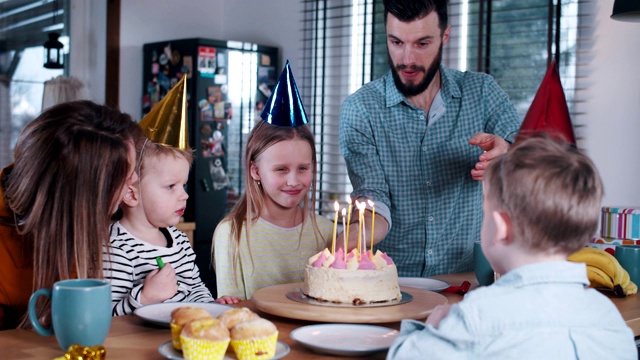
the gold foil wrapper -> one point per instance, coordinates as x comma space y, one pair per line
167, 123
78, 352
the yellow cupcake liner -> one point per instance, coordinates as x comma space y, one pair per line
175, 335
256, 349
200, 349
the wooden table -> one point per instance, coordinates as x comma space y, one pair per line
133, 338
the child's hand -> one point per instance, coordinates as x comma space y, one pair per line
439, 313
159, 285
227, 299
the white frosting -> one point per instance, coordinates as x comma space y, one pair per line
352, 286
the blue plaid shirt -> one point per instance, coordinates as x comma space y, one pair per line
421, 170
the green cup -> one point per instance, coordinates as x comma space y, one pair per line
629, 258
80, 312
481, 267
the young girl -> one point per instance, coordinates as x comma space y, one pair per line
268, 236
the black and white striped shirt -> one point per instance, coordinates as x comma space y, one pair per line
131, 259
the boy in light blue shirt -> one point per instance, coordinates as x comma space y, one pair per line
541, 203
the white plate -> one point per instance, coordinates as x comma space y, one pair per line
423, 283
160, 314
167, 350
345, 339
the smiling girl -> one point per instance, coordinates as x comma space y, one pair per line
271, 232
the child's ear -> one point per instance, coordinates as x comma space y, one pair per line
254, 171
503, 227
131, 198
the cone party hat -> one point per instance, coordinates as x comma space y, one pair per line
166, 123
549, 112
284, 107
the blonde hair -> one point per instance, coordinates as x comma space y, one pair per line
551, 191
150, 149
248, 209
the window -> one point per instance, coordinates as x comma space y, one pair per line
344, 47
24, 25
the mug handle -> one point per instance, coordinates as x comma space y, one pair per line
33, 317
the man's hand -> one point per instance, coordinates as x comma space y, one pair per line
159, 285
493, 146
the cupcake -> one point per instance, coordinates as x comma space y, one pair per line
254, 339
204, 339
235, 316
182, 316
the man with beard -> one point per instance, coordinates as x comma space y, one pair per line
417, 141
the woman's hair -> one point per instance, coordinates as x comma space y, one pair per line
248, 209
70, 166
551, 191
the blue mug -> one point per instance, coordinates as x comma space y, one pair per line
80, 312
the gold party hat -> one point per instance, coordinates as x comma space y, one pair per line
166, 123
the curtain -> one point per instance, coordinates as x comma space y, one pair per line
61, 89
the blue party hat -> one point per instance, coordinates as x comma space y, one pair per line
284, 107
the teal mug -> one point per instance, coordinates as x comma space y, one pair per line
80, 312
481, 266
629, 258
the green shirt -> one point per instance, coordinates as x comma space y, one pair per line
421, 169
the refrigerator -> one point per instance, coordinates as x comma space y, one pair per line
228, 83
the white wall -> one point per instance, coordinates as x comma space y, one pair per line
272, 23
611, 137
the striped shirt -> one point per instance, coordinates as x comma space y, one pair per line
276, 255
131, 259
419, 165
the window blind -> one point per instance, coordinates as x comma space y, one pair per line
344, 47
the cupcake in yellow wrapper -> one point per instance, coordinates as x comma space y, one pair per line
232, 317
204, 339
182, 316
254, 339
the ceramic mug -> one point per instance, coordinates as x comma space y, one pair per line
80, 312
481, 267
629, 258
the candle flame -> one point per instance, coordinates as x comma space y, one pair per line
336, 205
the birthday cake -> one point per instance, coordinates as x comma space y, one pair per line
358, 278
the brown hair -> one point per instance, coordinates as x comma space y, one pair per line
71, 164
551, 191
263, 136
411, 10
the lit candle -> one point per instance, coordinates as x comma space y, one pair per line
361, 206
336, 206
344, 233
373, 221
348, 218
359, 228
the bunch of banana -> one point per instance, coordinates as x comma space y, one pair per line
604, 270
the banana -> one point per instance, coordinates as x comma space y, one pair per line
599, 278
603, 270
631, 288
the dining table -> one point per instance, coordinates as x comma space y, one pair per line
131, 337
